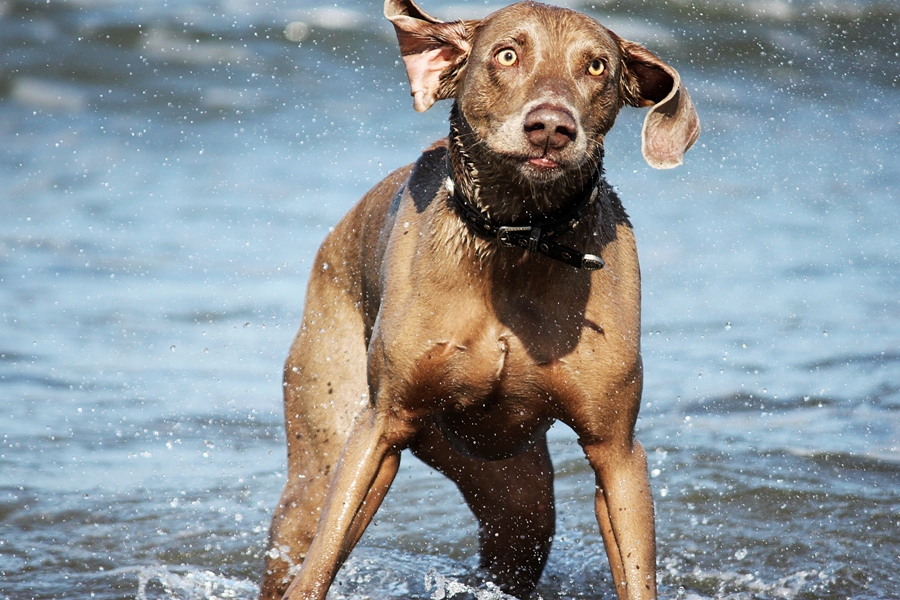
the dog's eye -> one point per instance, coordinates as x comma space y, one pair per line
507, 57
596, 67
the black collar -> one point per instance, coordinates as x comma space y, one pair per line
537, 235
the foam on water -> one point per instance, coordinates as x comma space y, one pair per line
388, 575
368, 573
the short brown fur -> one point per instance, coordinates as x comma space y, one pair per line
418, 333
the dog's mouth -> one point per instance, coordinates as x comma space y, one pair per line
543, 168
543, 162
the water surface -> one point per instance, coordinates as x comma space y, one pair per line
169, 168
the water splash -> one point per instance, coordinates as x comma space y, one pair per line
193, 585
446, 587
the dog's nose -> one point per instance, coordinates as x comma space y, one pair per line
550, 128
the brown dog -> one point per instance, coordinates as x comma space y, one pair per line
459, 309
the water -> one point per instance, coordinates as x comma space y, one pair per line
169, 169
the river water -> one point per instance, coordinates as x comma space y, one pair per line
169, 168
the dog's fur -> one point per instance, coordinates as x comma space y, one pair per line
418, 333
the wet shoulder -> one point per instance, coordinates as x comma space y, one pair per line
428, 175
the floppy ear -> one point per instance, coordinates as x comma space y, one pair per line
672, 125
433, 51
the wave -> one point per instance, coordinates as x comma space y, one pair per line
210, 33
706, 584
75, 57
873, 360
887, 461
741, 402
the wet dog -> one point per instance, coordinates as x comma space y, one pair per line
470, 300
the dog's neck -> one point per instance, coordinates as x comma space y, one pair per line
494, 185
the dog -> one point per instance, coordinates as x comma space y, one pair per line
472, 299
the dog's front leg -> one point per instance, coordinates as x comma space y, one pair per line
363, 475
624, 508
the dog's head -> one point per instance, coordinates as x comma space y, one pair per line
541, 85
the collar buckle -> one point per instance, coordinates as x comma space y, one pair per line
512, 236
591, 262
504, 231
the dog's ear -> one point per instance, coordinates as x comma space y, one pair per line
672, 125
433, 51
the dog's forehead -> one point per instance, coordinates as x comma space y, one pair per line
535, 18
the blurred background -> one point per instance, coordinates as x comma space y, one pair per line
168, 169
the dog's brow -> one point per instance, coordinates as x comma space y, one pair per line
517, 36
592, 51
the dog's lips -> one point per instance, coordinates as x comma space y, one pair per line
538, 166
543, 162
544, 168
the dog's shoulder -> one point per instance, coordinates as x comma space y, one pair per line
428, 174
612, 210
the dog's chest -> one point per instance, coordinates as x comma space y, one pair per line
484, 391
484, 369
475, 344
